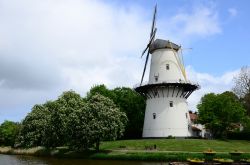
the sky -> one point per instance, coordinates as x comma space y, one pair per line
51, 46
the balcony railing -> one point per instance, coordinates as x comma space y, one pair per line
169, 81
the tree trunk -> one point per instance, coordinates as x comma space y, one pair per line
97, 147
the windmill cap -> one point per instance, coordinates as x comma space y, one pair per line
163, 44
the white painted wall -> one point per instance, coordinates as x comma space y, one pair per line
159, 59
169, 121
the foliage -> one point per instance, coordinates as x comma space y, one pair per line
33, 127
134, 106
47, 124
243, 135
8, 133
102, 90
221, 113
129, 102
79, 130
246, 102
57, 129
82, 122
54, 126
99, 120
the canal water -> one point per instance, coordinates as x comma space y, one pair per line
30, 160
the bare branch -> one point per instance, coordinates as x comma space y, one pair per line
242, 82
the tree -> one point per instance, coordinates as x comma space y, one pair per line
134, 106
77, 122
57, 129
33, 127
129, 102
79, 130
220, 113
98, 120
48, 124
246, 103
242, 87
102, 90
8, 133
53, 135
242, 82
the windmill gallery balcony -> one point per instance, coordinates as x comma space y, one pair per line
180, 89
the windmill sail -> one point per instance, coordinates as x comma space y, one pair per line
151, 39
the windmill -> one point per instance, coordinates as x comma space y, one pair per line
166, 92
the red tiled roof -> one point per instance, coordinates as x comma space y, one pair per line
196, 128
193, 116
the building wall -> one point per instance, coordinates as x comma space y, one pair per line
169, 121
159, 61
162, 120
196, 133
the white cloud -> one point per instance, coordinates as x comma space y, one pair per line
186, 26
209, 83
233, 12
47, 47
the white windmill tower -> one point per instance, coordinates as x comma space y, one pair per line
166, 91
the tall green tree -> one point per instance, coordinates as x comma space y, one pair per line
220, 113
48, 124
57, 129
8, 133
134, 106
79, 138
102, 90
129, 102
54, 129
100, 119
34, 126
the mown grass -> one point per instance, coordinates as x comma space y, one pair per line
160, 156
182, 145
166, 150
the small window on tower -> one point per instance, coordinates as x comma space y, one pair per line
156, 75
171, 104
156, 78
154, 115
167, 66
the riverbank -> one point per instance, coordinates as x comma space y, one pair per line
114, 155
148, 150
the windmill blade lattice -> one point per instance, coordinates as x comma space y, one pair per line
150, 42
152, 36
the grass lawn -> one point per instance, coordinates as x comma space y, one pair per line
167, 150
184, 145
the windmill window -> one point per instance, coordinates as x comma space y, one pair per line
171, 104
156, 78
154, 115
156, 75
167, 66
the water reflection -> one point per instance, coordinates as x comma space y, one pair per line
20, 160
30, 160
